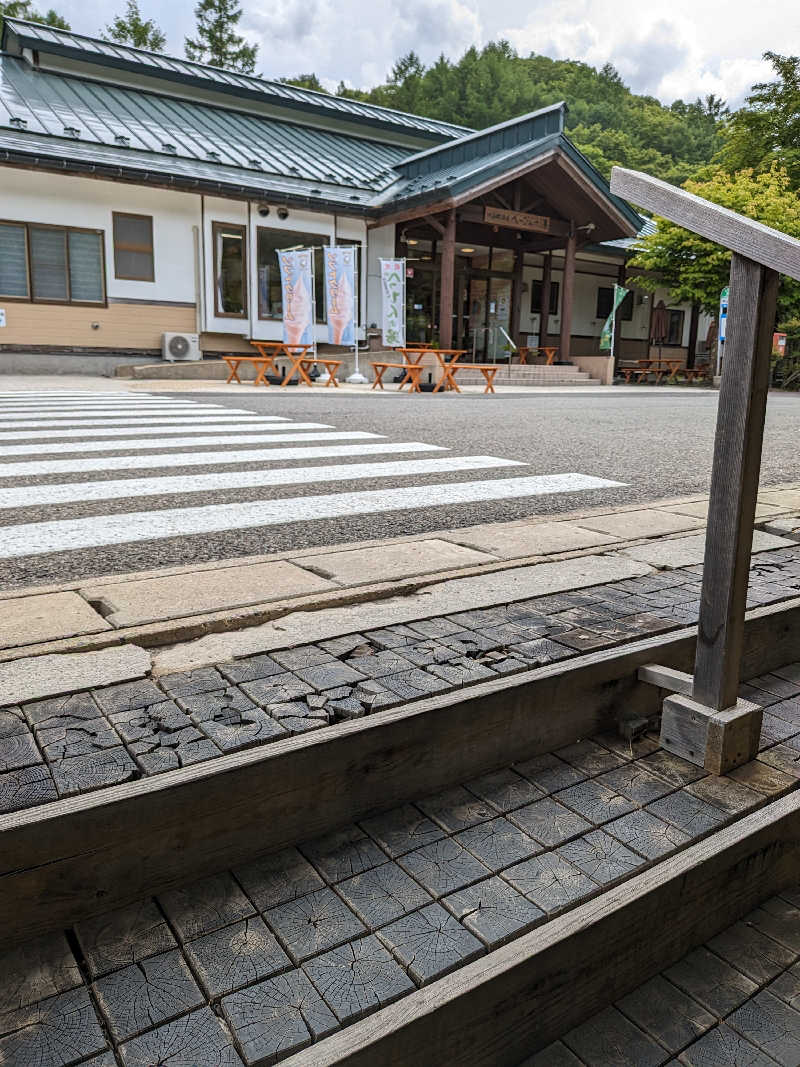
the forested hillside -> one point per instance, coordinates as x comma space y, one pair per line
608, 122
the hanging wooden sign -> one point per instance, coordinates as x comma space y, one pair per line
518, 220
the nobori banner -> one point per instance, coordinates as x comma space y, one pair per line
393, 286
297, 290
340, 293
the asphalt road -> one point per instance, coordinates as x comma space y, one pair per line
657, 442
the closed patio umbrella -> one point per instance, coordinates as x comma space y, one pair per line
659, 327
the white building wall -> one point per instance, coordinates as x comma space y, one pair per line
381, 246
61, 200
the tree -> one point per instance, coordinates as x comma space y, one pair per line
696, 270
305, 81
132, 29
217, 43
767, 129
21, 9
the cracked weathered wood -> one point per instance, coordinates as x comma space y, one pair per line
127, 935
498, 843
402, 830
383, 894
550, 882
312, 924
81, 774
724, 1047
273, 880
199, 1037
146, 994
602, 857
358, 978
456, 809
430, 943
51, 1033
236, 956
751, 952
594, 801
636, 783
667, 1014
213, 819
609, 1037
711, 981
26, 788
204, 906
36, 970
443, 867
343, 853
689, 813
771, 1025
549, 822
279, 1016
493, 911
650, 837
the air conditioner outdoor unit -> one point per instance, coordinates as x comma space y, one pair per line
177, 346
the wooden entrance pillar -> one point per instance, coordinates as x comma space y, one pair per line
567, 294
447, 282
544, 315
705, 721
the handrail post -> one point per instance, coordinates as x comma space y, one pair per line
734, 482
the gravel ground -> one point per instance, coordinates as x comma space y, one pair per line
659, 443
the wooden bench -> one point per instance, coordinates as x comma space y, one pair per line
548, 352
413, 372
332, 367
261, 364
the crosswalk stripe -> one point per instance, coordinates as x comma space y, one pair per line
148, 444
33, 539
70, 413
150, 420
72, 492
244, 430
40, 468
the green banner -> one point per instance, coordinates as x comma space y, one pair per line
608, 328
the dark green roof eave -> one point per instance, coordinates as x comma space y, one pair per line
181, 183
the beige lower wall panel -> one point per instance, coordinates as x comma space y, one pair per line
120, 325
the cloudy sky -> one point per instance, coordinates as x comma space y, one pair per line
671, 49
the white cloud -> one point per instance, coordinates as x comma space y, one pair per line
685, 48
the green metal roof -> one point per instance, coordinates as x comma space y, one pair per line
72, 122
91, 120
18, 34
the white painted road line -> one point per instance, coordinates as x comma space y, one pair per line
39, 468
242, 427
72, 492
154, 417
148, 444
82, 413
38, 538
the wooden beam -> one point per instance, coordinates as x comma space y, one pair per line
447, 283
567, 294
749, 238
544, 315
519, 998
65, 860
516, 285
734, 481
435, 224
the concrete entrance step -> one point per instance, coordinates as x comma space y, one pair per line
565, 374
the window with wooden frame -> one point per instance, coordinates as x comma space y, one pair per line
230, 270
675, 317
51, 264
133, 247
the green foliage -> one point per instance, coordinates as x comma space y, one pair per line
606, 120
767, 129
132, 29
696, 270
306, 81
217, 42
22, 9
